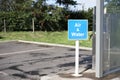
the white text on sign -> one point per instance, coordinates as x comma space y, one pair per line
77, 34
77, 25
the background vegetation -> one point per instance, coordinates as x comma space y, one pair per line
21, 15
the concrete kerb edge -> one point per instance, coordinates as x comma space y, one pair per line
8, 41
57, 45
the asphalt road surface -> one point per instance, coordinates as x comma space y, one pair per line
23, 61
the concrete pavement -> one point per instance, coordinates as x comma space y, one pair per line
39, 61
67, 75
29, 61
86, 75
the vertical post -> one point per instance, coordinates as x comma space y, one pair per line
76, 74
77, 58
33, 26
94, 37
99, 38
4, 26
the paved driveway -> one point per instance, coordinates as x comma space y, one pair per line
23, 61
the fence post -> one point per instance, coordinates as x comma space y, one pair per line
33, 26
4, 26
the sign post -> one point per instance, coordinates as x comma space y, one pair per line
77, 30
77, 58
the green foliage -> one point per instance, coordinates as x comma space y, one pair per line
112, 6
82, 15
18, 15
66, 2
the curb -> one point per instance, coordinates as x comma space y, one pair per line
57, 45
8, 41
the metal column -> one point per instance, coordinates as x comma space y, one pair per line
99, 38
94, 38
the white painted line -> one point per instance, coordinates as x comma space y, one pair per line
3, 54
45, 78
5, 74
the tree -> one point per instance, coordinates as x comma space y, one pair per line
18, 12
112, 6
18, 15
83, 15
66, 2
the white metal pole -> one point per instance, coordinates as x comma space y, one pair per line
77, 58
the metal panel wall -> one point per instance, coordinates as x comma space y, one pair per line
107, 37
111, 39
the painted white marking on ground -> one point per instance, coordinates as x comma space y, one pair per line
5, 74
3, 54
